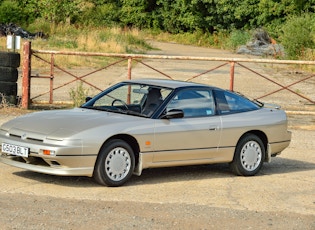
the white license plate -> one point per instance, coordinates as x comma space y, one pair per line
15, 150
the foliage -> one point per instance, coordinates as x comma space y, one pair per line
237, 38
85, 39
78, 94
51, 10
103, 15
212, 20
298, 35
137, 13
10, 12
174, 16
40, 25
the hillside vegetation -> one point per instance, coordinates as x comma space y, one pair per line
216, 23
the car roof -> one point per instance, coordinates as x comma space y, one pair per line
173, 84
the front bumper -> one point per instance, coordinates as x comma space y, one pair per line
57, 170
69, 159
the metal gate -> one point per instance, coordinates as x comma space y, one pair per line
130, 59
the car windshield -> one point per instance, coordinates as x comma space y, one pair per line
134, 99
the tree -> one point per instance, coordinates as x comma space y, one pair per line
137, 13
55, 11
10, 12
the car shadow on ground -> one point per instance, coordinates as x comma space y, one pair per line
175, 174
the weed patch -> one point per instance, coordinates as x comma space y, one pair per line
78, 94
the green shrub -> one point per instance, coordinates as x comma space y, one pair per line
298, 35
237, 38
106, 14
78, 94
39, 25
10, 12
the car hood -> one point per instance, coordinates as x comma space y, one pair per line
63, 123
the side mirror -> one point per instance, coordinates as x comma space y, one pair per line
173, 113
87, 99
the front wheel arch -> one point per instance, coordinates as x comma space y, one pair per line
130, 140
115, 163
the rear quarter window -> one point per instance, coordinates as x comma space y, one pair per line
228, 102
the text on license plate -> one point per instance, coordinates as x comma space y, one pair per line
15, 150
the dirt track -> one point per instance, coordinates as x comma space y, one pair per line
282, 196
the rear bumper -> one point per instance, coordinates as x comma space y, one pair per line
275, 148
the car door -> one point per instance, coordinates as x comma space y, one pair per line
193, 137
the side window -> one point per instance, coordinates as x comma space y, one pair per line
228, 102
194, 103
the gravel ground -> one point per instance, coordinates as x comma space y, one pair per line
281, 196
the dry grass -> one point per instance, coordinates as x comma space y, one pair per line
14, 111
3, 102
8, 109
70, 38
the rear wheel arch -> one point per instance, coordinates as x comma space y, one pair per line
262, 136
250, 153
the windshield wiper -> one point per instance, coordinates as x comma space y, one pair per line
117, 110
100, 108
131, 112
259, 103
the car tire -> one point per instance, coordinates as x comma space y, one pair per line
10, 59
115, 164
8, 74
8, 88
249, 156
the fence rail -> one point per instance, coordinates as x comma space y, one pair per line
27, 67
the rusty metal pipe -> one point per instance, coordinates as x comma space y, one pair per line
27, 52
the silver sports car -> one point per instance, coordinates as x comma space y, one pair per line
147, 123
